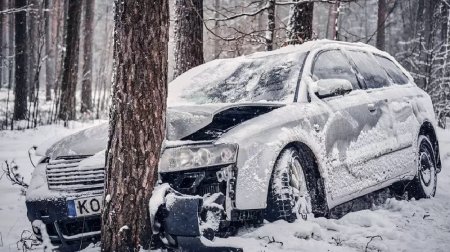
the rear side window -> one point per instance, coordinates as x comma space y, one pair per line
369, 69
334, 65
397, 76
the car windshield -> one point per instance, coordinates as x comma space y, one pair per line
271, 78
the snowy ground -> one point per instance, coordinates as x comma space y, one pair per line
422, 225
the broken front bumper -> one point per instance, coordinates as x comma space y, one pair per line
182, 220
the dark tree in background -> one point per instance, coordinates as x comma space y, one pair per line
49, 49
381, 33
300, 24
270, 33
70, 71
21, 74
86, 86
137, 122
188, 35
2, 47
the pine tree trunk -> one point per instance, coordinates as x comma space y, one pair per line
300, 23
188, 35
333, 15
70, 69
381, 30
11, 45
2, 47
86, 86
270, 33
49, 49
137, 123
20, 89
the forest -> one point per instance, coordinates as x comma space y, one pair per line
67, 46
224, 125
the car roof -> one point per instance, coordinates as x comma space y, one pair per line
315, 44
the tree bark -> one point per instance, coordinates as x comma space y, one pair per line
11, 45
381, 30
188, 35
300, 23
49, 49
86, 86
2, 46
70, 69
20, 89
137, 122
333, 16
270, 33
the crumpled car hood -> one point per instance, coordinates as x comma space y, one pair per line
182, 121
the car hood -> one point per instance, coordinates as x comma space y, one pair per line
183, 123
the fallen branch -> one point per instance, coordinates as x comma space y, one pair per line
371, 239
27, 241
11, 174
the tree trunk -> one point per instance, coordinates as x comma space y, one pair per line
2, 47
49, 49
270, 33
70, 69
11, 45
188, 35
86, 86
137, 122
20, 89
381, 30
333, 16
300, 23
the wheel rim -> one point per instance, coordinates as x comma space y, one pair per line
302, 199
426, 164
425, 168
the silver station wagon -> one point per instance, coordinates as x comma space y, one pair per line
272, 135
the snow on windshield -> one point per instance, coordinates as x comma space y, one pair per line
271, 78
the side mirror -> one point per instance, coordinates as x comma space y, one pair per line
331, 87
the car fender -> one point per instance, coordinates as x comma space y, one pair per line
260, 142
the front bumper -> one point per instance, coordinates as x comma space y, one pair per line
68, 233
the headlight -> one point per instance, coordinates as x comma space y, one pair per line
189, 157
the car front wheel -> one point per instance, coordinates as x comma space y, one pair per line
288, 197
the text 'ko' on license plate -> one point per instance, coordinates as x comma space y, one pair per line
85, 206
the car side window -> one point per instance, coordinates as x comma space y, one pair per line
334, 65
397, 75
369, 69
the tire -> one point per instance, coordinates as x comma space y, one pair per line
425, 182
288, 197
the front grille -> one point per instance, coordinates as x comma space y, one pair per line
64, 173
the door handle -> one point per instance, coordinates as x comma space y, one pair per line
371, 107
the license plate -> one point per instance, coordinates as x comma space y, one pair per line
85, 206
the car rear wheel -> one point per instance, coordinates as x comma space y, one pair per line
424, 184
288, 197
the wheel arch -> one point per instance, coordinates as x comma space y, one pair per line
428, 130
314, 179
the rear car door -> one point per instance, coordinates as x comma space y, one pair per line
385, 164
401, 95
348, 143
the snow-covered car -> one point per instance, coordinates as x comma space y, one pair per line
272, 135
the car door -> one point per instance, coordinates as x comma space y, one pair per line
401, 97
385, 162
349, 141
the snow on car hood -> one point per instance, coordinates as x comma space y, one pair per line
85, 142
182, 121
